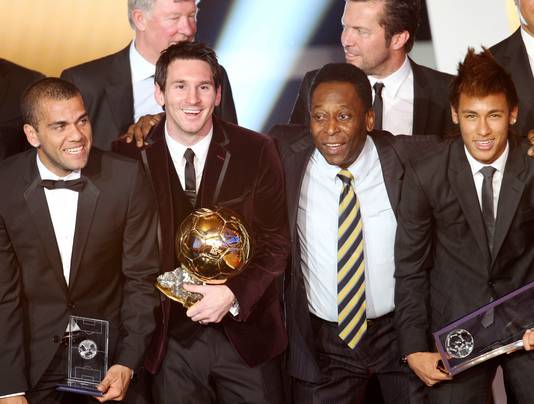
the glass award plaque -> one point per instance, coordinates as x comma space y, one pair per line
87, 355
492, 330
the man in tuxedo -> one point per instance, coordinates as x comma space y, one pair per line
77, 237
226, 347
377, 37
327, 362
119, 88
464, 236
516, 55
13, 81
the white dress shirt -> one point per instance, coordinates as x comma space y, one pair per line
499, 165
397, 97
528, 40
177, 151
62, 205
142, 84
317, 227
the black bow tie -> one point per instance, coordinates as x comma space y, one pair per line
74, 185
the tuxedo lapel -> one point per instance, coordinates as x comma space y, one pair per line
513, 185
463, 185
297, 162
119, 92
216, 166
87, 201
421, 100
38, 208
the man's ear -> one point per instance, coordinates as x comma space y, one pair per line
399, 40
513, 115
454, 115
218, 96
370, 120
159, 95
31, 135
139, 19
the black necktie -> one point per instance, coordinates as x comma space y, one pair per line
378, 105
74, 185
489, 222
190, 176
487, 203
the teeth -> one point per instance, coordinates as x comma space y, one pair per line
74, 150
191, 111
333, 144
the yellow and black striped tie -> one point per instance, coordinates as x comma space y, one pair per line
350, 266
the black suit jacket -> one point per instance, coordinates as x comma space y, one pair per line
13, 81
444, 268
106, 87
113, 267
242, 173
512, 55
296, 147
431, 109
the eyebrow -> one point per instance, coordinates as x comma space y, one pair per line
62, 123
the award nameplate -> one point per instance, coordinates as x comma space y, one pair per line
472, 339
87, 355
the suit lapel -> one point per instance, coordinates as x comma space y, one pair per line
38, 207
216, 166
463, 185
421, 100
87, 201
3, 84
510, 195
297, 162
119, 92
392, 169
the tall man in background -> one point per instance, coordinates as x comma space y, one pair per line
377, 37
77, 237
516, 55
119, 88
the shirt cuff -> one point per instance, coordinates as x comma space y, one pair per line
13, 395
234, 310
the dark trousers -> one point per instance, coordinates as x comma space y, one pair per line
45, 391
474, 385
211, 371
346, 372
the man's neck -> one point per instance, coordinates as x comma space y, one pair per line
145, 51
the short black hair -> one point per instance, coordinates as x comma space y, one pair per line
185, 50
51, 88
347, 73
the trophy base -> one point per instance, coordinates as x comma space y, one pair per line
80, 388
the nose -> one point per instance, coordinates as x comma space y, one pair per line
347, 37
483, 127
187, 27
331, 127
192, 95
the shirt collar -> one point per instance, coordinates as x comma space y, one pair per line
528, 40
498, 164
46, 174
141, 68
393, 82
200, 148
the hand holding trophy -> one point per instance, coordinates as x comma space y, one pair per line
212, 247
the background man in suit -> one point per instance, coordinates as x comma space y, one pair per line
119, 88
377, 36
325, 365
516, 55
13, 81
465, 233
226, 347
77, 237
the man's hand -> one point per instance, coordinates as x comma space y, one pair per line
140, 130
528, 340
425, 366
531, 140
214, 305
14, 400
115, 383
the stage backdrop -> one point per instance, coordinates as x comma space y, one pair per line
50, 35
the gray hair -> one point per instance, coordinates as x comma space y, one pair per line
145, 5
